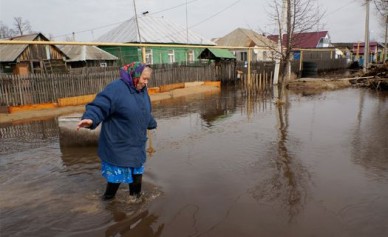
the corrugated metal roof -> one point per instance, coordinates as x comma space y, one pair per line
9, 53
241, 37
85, 53
222, 53
153, 30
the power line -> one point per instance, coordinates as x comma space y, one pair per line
116, 23
168, 9
226, 8
341, 7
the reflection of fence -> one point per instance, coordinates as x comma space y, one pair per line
40, 130
19, 137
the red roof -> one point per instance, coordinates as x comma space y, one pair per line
373, 46
302, 40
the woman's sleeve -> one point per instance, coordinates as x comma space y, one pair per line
101, 107
152, 124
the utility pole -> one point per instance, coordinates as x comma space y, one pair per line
385, 39
366, 44
187, 27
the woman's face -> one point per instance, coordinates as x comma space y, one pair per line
144, 77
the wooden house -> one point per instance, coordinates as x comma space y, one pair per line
87, 56
263, 48
375, 52
154, 30
23, 59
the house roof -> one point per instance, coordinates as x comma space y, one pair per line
216, 53
10, 52
241, 37
85, 53
303, 40
343, 45
153, 30
359, 47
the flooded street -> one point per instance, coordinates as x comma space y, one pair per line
224, 165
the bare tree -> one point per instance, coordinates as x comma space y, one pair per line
292, 18
21, 26
5, 31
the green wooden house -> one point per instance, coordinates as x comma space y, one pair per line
154, 30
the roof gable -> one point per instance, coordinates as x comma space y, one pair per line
10, 52
241, 37
153, 30
302, 40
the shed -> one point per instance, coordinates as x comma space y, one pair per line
224, 62
216, 54
24, 58
87, 56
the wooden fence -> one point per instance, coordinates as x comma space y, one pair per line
18, 90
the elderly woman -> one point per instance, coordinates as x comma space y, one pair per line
124, 109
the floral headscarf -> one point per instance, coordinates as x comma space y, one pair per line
130, 73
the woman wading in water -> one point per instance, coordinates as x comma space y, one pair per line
124, 109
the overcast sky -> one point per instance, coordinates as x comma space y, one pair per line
89, 19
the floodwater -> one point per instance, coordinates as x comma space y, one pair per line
224, 165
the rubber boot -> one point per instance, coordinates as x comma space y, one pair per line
110, 192
135, 186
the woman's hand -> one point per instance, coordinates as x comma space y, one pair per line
84, 123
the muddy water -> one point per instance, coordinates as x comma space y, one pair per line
224, 165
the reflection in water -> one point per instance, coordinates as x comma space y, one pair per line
288, 181
368, 149
141, 224
21, 136
225, 165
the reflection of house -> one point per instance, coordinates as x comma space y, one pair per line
262, 47
153, 30
375, 51
87, 56
23, 58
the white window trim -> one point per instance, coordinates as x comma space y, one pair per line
171, 53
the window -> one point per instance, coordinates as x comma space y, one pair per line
190, 56
171, 56
244, 56
149, 56
264, 55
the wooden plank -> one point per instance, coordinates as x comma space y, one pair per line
13, 109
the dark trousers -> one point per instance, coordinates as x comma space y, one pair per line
134, 187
